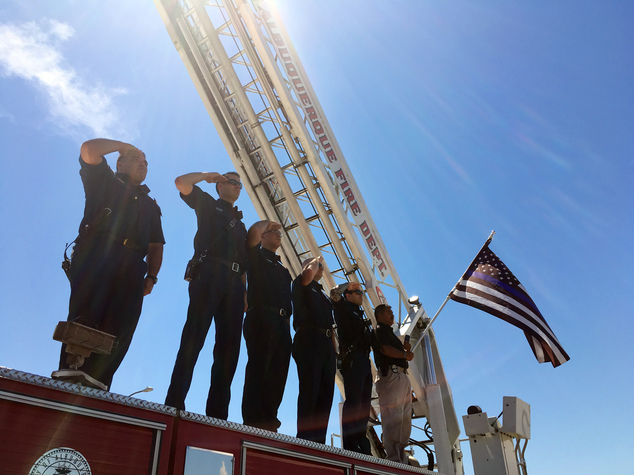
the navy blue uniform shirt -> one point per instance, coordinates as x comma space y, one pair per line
213, 217
269, 282
386, 336
311, 307
351, 327
134, 215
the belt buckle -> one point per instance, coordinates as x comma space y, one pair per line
282, 312
394, 368
328, 332
235, 267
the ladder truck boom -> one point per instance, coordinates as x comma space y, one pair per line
258, 95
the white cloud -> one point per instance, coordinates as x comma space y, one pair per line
32, 51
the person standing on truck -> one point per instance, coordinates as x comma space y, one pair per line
313, 351
354, 344
119, 251
393, 386
266, 327
216, 276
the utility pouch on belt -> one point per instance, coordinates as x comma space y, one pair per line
193, 266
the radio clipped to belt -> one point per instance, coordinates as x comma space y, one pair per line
83, 232
193, 266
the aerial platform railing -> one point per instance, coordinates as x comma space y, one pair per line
260, 100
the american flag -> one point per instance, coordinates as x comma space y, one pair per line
490, 286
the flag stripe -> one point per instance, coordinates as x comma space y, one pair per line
512, 291
543, 353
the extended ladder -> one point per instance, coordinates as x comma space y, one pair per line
258, 95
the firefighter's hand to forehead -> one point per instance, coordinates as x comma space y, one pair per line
336, 293
213, 177
273, 225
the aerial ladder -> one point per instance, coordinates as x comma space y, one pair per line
260, 100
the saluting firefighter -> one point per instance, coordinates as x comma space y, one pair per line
118, 253
216, 278
314, 352
266, 327
354, 344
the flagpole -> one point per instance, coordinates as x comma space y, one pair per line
422, 335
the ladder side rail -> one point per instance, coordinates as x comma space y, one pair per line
216, 109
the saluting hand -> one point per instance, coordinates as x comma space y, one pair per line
273, 225
213, 177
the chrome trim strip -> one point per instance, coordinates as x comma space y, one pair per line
96, 413
44, 382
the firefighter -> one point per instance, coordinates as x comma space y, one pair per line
393, 386
266, 327
118, 253
313, 351
354, 343
216, 278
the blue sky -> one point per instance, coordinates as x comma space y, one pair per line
455, 117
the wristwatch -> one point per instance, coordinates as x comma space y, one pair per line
153, 277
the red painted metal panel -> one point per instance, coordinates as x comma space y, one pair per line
36, 416
263, 463
109, 447
203, 436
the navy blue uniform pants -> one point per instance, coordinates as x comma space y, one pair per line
357, 383
106, 294
217, 293
316, 365
268, 340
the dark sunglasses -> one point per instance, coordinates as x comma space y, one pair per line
233, 182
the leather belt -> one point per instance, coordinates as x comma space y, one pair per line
327, 332
234, 266
279, 311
